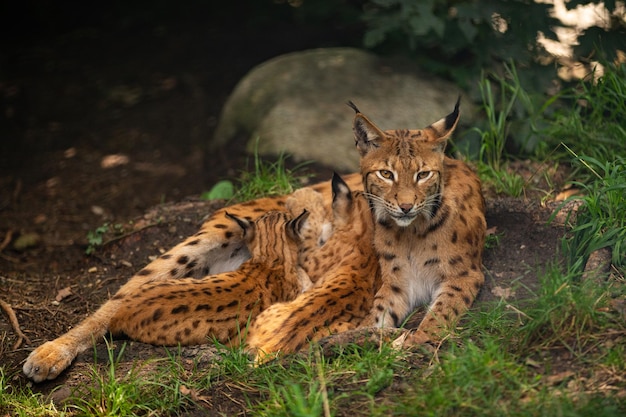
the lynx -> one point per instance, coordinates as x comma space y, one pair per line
171, 311
341, 298
429, 224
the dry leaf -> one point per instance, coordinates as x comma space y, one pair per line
193, 394
115, 160
533, 363
63, 293
565, 194
504, 293
560, 377
491, 231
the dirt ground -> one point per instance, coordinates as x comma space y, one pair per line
108, 126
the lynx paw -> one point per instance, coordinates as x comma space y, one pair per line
408, 339
48, 361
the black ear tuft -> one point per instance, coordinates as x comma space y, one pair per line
353, 106
243, 223
340, 187
454, 116
294, 226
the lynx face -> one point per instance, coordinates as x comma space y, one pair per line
403, 169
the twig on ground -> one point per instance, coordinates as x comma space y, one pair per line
6, 307
7, 240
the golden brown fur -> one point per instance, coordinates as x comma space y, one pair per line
168, 311
429, 224
341, 299
191, 311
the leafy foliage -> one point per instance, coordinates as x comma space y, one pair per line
601, 220
458, 38
592, 123
603, 41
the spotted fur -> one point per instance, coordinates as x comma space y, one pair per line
429, 224
171, 311
341, 299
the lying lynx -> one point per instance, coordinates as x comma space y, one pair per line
342, 297
171, 311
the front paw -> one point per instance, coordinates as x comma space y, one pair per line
48, 361
410, 339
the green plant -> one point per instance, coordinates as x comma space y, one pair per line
600, 222
458, 38
492, 166
95, 238
22, 402
222, 190
134, 393
592, 124
567, 312
264, 180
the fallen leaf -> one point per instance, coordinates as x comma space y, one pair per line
26, 241
491, 231
193, 394
565, 194
63, 293
533, 363
560, 377
115, 160
504, 293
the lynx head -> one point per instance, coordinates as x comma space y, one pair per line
273, 235
403, 169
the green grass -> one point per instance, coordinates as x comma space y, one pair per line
592, 121
601, 220
492, 161
22, 401
139, 391
265, 179
569, 312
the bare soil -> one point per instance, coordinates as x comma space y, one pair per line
108, 125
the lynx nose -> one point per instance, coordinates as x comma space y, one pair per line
405, 207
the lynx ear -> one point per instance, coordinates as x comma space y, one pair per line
342, 199
441, 130
367, 135
294, 226
246, 226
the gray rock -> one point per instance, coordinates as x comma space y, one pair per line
296, 103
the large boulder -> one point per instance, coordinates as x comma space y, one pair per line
296, 103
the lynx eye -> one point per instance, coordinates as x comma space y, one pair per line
385, 174
423, 175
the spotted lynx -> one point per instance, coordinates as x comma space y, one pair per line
218, 306
429, 224
341, 299
171, 311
